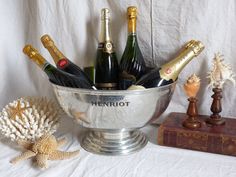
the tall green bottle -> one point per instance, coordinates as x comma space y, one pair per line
106, 76
132, 65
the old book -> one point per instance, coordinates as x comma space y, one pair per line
207, 138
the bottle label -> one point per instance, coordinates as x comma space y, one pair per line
62, 63
168, 72
106, 46
106, 86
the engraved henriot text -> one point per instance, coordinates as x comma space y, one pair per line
110, 104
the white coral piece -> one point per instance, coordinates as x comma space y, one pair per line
37, 117
220, 72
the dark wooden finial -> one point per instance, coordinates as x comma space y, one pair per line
192, 121
215, 118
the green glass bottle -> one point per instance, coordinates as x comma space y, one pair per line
132, 65
61, 61
106, 76
55, 75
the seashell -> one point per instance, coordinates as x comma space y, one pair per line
29, 118
43, 149
136, 87
220, 72
192, 85
80, 116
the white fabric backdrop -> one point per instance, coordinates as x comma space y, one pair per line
163, 27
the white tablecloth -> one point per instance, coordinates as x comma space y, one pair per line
151, 161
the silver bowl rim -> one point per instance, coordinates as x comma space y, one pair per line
112, 92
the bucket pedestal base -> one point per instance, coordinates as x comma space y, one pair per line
113, 142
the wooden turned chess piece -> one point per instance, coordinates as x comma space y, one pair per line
219, 74
192, 121
191, 88
215, 118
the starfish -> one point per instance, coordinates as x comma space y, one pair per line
17, 110
45, 148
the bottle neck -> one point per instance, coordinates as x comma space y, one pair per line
132, 25
105, 34
132, 39
172, 69
40, 61
56, 54
132, 36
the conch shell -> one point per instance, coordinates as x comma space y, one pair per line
220, 72
192, 85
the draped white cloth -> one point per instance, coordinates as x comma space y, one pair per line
163, 27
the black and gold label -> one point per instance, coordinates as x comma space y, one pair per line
106, 46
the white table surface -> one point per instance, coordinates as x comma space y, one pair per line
153, 160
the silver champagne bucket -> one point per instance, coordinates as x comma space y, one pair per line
113, 118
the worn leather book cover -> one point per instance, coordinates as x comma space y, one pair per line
215, 139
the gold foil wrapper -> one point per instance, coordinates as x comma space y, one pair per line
105, 36
105, 14
33, 54
172, 69
132, 12
196, 46
47, 41
30, 51
132, 16
53, 50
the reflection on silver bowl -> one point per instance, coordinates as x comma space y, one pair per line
114, 117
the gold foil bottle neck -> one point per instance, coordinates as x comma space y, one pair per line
105, 34
105, 14
33, 54
196, 46
132, 16
132, 12
172, 69
30, 51
53, 50
47, 41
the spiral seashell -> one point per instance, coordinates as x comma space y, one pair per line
220, 72
192, 85
29, 118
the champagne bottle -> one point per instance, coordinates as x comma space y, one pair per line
132, 62
61, 61
106, 76
55, 75
169, 72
